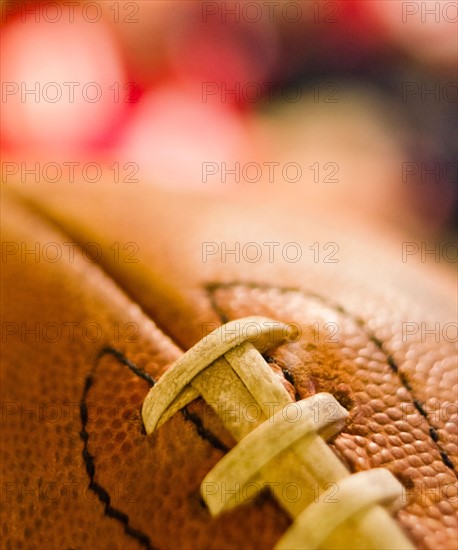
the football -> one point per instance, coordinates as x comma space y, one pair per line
181, 371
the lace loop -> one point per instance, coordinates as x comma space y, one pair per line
340, 502
245, 461
261, 332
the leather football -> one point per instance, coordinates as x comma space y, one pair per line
189, 371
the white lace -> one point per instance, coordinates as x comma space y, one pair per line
283, 446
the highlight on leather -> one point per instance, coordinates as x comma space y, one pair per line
285, 445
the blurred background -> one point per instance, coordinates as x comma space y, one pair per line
349, 106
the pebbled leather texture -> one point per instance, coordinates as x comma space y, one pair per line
78, 469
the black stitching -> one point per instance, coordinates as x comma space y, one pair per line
286, 373
434, 435
405, 383
194, 418
420, 408
203, 431
212, 287
392, 364
88, 459
123, 359
288, 377
211, 294
446, 460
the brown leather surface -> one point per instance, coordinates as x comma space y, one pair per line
397, 392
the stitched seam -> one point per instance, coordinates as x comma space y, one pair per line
433, 433
88, 459
203, 432
123, 359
